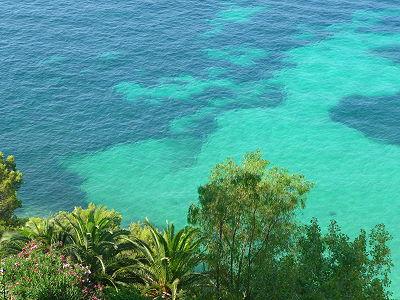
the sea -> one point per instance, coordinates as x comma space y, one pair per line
130, 103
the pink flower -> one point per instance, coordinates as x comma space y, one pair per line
66, 265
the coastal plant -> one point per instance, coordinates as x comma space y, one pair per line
42, 230
336, 267
141, 231
328, 266
95, 238
166, 266
128, 292
245, 212
37, 275
10, 182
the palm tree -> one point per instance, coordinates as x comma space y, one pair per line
45, 231
167, 263
96, 240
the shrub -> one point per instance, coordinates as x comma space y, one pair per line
124, 293
37, 275
10, 182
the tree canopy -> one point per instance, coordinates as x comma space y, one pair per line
10, 182
257, 249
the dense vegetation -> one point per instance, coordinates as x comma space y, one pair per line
242, 241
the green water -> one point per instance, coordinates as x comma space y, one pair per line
357, 179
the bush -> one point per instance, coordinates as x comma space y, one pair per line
124, 293
10, 182
37, 275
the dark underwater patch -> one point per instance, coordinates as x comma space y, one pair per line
376, 117
391, 52
388, 24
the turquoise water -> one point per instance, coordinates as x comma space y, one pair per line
130, 105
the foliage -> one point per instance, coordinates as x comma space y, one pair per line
138, 232
95, 238
330, 266
124, 293
45, 231
35, 275
166, 268
141, 231
338, 268
10, 181
91, 236
245, 211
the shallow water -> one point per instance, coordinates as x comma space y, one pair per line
131, 104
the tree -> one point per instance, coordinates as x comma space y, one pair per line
329, 266
166, 267
335, 267
10, 182
255, 249
96, 239
246, 212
